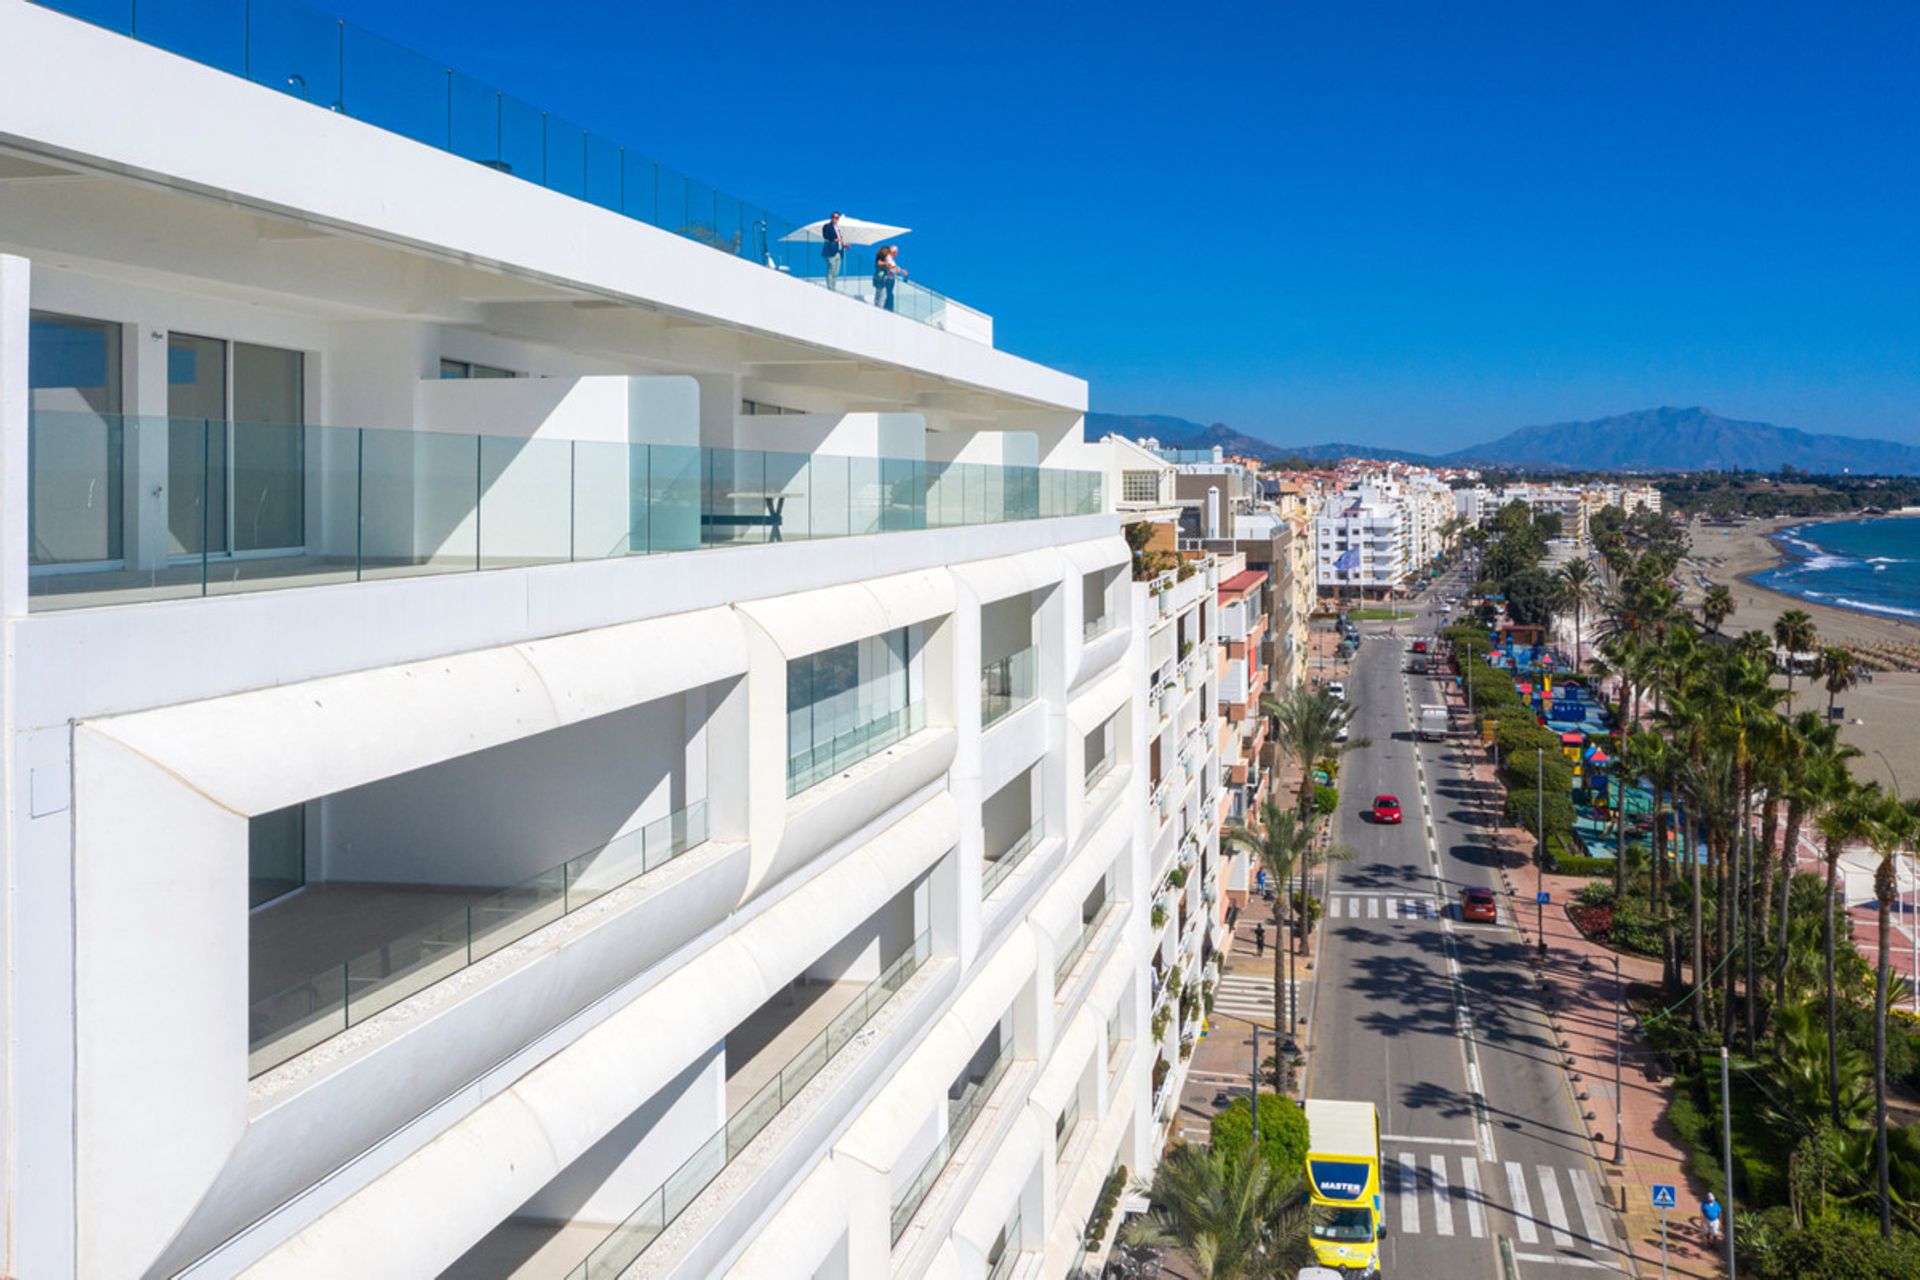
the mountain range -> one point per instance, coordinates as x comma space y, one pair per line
1664, 439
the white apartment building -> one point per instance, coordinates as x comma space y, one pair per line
486, 794
1184, 732
1360, 544
1475, 504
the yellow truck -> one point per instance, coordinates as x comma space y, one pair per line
1343, 1181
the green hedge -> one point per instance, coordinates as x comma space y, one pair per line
1585, 866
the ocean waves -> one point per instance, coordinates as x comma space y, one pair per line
1871, 566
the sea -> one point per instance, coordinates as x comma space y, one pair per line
1869, 565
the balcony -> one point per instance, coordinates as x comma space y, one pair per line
962, 1112
285, 46
1098, 773
1094, 628
410, 938
844, 750
123, 508
1002, 866
1008, 684
1064, 966
843, 1017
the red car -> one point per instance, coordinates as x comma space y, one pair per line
1386, 808
1476, 903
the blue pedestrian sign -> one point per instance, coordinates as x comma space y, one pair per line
1663, 1195
1543, 897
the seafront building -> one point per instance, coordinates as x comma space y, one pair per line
543, 740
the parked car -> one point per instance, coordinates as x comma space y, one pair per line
1386, 809
1476, 903
1338, 690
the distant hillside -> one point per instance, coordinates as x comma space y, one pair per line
1695, 439
1180, 433
1665, 439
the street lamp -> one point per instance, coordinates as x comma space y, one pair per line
1273, 1038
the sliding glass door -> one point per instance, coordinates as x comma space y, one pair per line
236, 446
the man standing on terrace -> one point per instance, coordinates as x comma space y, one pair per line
833, 247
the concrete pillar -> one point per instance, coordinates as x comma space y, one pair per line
143, 381
719, 408
15, 278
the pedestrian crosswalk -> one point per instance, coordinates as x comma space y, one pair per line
1378, 907
1250, 997
1441, 1194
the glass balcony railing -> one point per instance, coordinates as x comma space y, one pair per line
295, 1019
1098, 773
961, 1114
1008, 684
307, 54
125, 508
1093, 628
844, 750
656, 1213
998, 869
1064, 965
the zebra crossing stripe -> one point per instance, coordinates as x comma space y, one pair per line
1556, 1208
1442, 1201
1592, 1221
1373, 908
1522, 1207
1409, 1194
1476, 1212
1333, 908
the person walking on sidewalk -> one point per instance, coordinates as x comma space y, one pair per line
1259, 939
1710, 1212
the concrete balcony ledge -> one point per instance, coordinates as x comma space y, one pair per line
726, 1216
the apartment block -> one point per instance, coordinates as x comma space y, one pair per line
1186, 741
1360, 546
545, 737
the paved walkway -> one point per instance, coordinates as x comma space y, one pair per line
1579, 974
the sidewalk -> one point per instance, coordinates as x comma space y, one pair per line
1582, 1009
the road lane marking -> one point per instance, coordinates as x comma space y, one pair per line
1560, 1260
1409, 1194
1592, 1221
1443, 1142
1476, 1211
1333, 908
1556, 1208
1522, 1207
1373, 908
1442, 1197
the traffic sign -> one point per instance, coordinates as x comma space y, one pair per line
1663, 1195
1543, 897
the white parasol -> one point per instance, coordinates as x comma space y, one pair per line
852, 231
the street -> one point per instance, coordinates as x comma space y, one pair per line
1485, 1159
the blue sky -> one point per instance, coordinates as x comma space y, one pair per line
1390, 224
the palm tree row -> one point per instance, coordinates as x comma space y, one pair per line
1709, 734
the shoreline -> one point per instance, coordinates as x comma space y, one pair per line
1735, 556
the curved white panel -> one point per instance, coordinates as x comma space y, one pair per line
1057, 914
797, 1239
900, 1109
1065, 1065
1101, 553
1090, 709
266, 749
809, 621
1005, 576
1000, 1185
432, 1206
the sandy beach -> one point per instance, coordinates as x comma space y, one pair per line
1882, 718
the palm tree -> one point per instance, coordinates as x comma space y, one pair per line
1716, 607
1794, 632
1234, 1219
1277, 843
1307, 724
1576, 590
1850, 814
1840, 670
1894, 827
1821, 774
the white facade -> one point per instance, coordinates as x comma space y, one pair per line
481, 824
1360, 543
1182, 765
